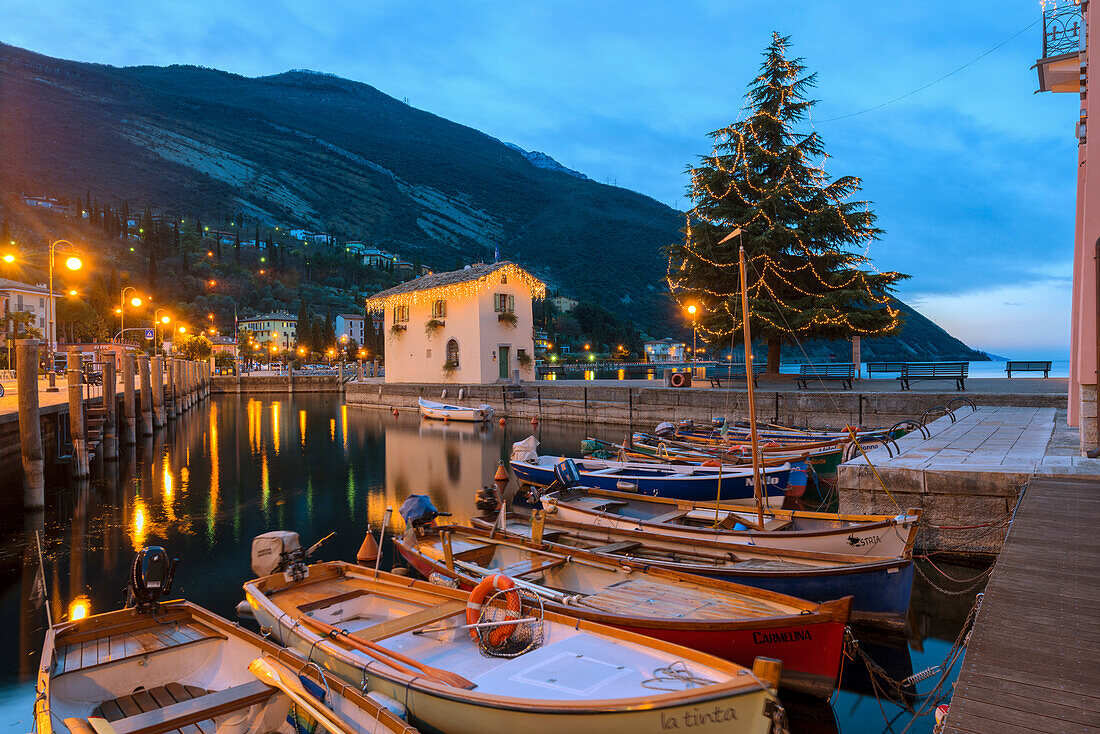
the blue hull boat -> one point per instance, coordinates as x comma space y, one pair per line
681, 482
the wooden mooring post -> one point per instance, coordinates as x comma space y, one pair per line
109, 444
74, 375
146, 395
30, 428
158, 391
128, 424
170, 388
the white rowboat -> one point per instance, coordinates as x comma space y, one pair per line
448, 412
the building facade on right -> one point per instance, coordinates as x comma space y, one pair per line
1063, 67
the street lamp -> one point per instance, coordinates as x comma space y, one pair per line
691, 310
72, 263
158, 320
135, 302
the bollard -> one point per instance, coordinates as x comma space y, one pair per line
30, 429
146, 395
158, 391
359, 371
374, 368
185, 385
180, 388
75, 377
109, 444
190, 384
128, 424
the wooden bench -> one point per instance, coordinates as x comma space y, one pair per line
622, 546
845, 373
884, 367
731, 373
915, 371
531, 567
1028, 366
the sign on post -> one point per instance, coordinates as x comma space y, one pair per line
149, 334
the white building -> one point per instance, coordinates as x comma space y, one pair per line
665, 350
469, 326
352, 326
23, 297
376, 257
282, 328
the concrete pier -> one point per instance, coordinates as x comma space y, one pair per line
146, 395
109, 446
128, 425
74, 376
170, 389
158, 391
30, 433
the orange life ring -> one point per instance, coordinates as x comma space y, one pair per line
487, 586
678, 379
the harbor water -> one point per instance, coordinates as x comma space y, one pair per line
238, 466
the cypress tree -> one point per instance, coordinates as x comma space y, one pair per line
799, 229
237, 247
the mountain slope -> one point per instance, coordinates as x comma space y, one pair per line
314, 150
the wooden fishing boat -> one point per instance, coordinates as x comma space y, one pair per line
676, 482
823, 457
448, 412
856, 535
163, 667
405, 639
738, 623
880, 587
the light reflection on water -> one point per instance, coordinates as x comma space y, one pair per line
235, 467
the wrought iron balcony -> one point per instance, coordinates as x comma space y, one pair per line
1061, 27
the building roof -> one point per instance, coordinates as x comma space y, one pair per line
458, 282
15, 285
270, 317
350, 316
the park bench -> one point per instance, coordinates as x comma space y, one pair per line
885, 367
845, 373
914, 371
731, 373
1028, 366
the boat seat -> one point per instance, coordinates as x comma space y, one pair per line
174, 707
727, 519
608, 470
606, 504
83, 650
621, 546
668, 516
531, 567
410, 622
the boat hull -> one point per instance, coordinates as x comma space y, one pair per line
699, 487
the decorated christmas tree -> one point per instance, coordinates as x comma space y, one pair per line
805, 240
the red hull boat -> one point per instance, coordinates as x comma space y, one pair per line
737, 623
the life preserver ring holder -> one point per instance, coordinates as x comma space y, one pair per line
678, 379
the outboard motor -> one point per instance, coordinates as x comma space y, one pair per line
150, 578
566, 476
418, 511
281, 550
664, 428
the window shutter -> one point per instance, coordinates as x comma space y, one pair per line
511, 303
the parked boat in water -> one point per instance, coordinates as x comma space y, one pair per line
674, 482
880, 587
174, 666
856, 535
448, 412
738, 623
406, 639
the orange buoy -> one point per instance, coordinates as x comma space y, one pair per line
446, 418
535, 421
502, 473
368, 551
502, 421
395, 412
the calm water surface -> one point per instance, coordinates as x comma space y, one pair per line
236, 467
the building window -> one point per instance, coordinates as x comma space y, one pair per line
41, 302
452, 352
400, 314
502, 302
439, 309
504, 278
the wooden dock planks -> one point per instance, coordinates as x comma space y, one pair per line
1031, 664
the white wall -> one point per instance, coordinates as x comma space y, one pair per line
474, 324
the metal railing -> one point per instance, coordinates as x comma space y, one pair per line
1062, 24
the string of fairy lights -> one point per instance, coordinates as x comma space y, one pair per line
736, 160
459, 290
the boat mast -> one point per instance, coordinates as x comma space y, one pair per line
757, 485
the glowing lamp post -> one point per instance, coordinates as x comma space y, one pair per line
135, 302
691, 310
72, 263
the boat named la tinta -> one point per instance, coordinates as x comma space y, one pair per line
470, 326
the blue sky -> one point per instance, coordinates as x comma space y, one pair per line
973, 179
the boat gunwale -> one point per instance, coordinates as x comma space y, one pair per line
742, 682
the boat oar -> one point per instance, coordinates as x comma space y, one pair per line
477, 625
383, 655
279, 676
